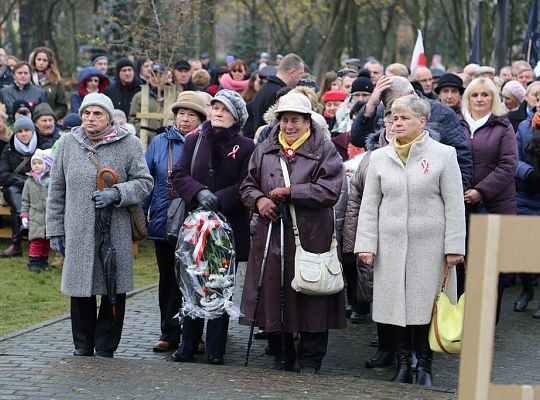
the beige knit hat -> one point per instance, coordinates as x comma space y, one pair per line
191, 100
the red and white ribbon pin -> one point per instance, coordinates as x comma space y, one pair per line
425, 166
232, 154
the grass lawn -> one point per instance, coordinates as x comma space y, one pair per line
28, 298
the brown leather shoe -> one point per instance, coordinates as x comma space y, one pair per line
161, 346
58, 262
11, 251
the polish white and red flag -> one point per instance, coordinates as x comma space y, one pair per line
418, 57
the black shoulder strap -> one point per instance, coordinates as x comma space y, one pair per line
199, 138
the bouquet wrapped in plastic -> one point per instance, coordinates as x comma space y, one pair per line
205, 265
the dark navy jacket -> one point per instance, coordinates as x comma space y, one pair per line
526, 204
158, 202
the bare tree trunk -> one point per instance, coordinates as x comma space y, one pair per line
333, 38
25, 27
500, 34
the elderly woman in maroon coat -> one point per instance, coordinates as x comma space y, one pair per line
316, 174
220, 166
495, 155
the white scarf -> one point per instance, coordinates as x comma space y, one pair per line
475, 125
26, 149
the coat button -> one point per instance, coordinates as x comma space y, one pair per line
211, 172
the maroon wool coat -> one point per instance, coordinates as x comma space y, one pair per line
224, 181
495, 160
316, 174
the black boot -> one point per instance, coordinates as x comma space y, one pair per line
44, 262
523, 299
382, 359
402, 339
34, 264
424, 354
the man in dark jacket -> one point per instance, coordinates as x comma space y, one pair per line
288, 74
6, 77
125, 86
442, 120
22, 88
48, 132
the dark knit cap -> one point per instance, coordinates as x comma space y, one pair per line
19, 104
124, 62
71, 120
42, 109
362, 84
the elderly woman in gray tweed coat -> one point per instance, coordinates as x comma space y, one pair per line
411, 224
71, 220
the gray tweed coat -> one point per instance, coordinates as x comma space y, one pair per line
410, 217
71, 210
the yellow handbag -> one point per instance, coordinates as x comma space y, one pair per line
446, 322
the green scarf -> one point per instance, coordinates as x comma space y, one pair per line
403, 150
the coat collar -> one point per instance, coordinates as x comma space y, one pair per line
312, 148
79, 135
417, 152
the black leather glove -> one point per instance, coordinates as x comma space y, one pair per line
207, 200
58, 244
108, 196
532, 184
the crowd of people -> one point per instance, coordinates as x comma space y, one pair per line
389, 161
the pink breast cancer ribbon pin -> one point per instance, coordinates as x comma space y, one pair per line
425, 166
232, 154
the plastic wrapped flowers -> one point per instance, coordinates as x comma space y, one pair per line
205, 265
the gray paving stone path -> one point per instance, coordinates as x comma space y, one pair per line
37, 364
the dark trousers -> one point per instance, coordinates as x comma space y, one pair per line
102, 333
311, 348
170, 297
216, 335
13, 196
351, 276
386, 338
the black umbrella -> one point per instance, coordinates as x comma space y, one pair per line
106, 251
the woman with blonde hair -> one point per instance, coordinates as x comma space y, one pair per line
46, 75
495, 155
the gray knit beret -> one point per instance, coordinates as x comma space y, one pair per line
234, 103
23, 122
100, 100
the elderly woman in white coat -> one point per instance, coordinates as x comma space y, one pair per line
411, 224
71, 220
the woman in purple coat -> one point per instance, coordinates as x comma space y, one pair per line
495, 155
221, 164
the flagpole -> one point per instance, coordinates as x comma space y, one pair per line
529, 51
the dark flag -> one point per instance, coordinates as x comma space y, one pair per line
474, 56
530, 43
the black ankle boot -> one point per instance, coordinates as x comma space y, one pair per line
402, 339
404, 371
523, 299
34, 264
44, 262
423, 372
424, 355
382, 359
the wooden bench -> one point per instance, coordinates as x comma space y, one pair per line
5, 232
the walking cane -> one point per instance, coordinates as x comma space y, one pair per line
258, 295
282, 213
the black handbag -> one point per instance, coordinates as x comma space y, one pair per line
176, 214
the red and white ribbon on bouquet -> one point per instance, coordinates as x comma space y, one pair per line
199, 234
